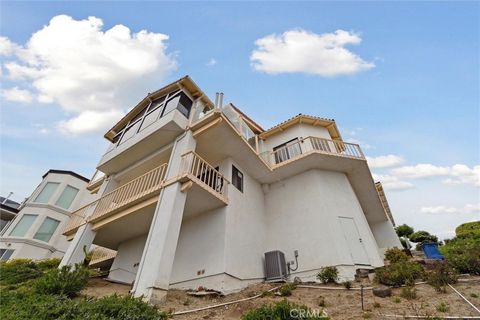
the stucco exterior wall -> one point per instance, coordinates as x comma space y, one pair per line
385, 236
125, 265
303, 214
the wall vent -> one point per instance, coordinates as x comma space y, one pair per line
275, 266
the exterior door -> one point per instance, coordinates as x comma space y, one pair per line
354, 241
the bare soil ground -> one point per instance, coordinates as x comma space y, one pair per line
339, 304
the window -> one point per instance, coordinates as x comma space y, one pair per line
23, 225
237, 178
47, 229
287, 150
5, 254
47, 192
67, 196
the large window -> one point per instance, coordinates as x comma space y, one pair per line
67, 196
5, 254
47, 192
237, 178
47, 229
157, 109
23, 225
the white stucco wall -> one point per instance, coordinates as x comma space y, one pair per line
303, 214
200, 247
125, 265
385, 236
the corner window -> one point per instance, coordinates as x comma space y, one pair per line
23, 225
47, 229
67, 196
5, 254
47, 192
237, 178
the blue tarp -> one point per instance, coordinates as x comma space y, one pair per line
431, 251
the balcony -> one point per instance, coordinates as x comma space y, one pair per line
127, 195
207, 187
158, 124
303, 147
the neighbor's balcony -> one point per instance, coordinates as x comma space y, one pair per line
134, 191
309, 145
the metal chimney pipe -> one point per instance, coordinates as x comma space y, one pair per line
220, 100
217, 96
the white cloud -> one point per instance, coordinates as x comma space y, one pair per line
90, 121
16, 94
93, 75
456, 174
392, 183
303, 51
211, 62
6, 46
384, 161
468, 208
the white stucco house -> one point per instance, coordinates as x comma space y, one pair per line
192, 192
36, 230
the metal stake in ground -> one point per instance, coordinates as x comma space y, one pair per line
361, 294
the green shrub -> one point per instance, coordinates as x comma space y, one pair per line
347, 284
404, 230
395, 255
440, 276
423, 236
65, 281
442, 307
328, 274
463, 253
16, 305
18, 271
399, 273
470, 229
283, 310
48, 264
286, 289
473, 295
409, 293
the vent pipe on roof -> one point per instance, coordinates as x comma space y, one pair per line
220, 100
217, 96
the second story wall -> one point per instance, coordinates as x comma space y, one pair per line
296, 131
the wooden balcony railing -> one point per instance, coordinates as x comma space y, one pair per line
301, 147
133, 191
101, 254
201, 172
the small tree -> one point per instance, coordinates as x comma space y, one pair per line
423, 236
404, 230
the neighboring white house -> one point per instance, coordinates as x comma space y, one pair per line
36, 231
194, 193
8, 212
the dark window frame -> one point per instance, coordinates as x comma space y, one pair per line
237, 178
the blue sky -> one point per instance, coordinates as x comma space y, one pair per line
418, 104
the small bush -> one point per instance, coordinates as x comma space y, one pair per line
48, 264
473, 295
398, 274
286, 289
463, 254
347, 284
409, 293
18, 271
65, 281
321, 301
442, 307
376, 305
328, 275
282, 310
440, 276
396, 300
395, 255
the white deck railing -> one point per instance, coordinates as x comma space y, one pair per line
301, 147
201, 172
134, 190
